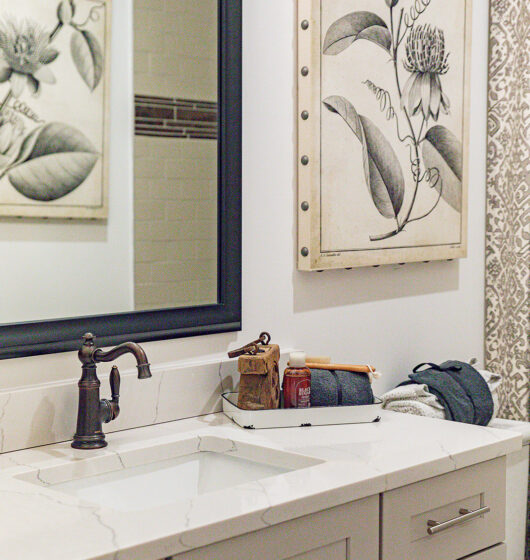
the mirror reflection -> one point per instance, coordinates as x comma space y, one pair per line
164, 253
175, 177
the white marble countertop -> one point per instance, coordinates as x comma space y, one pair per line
38, 522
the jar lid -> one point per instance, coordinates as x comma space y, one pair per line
297, 359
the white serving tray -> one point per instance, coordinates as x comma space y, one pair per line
299, 417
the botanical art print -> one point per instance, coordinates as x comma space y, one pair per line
53, 108
392, 82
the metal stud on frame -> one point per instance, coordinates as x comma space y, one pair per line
306, 67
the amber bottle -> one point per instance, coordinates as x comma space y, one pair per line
297, 383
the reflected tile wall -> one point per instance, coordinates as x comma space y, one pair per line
175, 48
175, 222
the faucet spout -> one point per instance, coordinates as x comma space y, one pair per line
142, 364
144, 371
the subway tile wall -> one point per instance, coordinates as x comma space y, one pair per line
175, 222
175, 153
176, 48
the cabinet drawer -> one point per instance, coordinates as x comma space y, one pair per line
495, 553
335, 551
441, 519
347, 531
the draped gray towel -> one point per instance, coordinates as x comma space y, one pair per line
461, 390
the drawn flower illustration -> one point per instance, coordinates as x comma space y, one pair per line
25, 56
427, 60
435, 152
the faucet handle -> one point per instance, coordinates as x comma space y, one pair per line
110, 410
115, 384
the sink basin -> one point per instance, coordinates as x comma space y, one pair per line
165, 482
158, 476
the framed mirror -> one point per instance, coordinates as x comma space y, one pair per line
166, 262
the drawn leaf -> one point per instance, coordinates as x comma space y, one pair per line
357, 25
386, 178
383, 172
442, 150
88, 57
27, 146
49, 56
4, 161
65, 12
378, 35
53, 161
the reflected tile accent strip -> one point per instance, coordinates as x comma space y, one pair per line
175, 118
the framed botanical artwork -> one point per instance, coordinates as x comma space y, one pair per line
383, 131
54, 93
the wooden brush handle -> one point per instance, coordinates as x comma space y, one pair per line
341, 367
318, 359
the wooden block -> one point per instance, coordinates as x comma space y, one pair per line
259, 388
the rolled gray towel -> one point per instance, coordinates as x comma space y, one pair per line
340, 388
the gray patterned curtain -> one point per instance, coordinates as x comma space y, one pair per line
508, 205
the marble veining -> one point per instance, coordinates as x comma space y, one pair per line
340, 464
46, 413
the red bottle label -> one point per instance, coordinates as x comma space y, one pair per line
297, 391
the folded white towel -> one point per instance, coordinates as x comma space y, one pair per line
416, 399
413, 399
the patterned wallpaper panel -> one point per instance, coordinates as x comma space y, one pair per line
508, 205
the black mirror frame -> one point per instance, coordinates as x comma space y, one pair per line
62, 335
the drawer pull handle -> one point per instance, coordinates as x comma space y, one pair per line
435, 527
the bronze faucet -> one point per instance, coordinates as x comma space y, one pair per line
93, 412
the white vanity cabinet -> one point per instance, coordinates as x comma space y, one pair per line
345, 532
450, 517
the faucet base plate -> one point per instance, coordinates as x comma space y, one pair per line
89, 442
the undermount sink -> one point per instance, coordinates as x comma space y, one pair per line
153, 477
165, 482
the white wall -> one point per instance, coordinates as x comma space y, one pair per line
392, 317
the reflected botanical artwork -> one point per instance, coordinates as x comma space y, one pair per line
390, 181
52, 108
